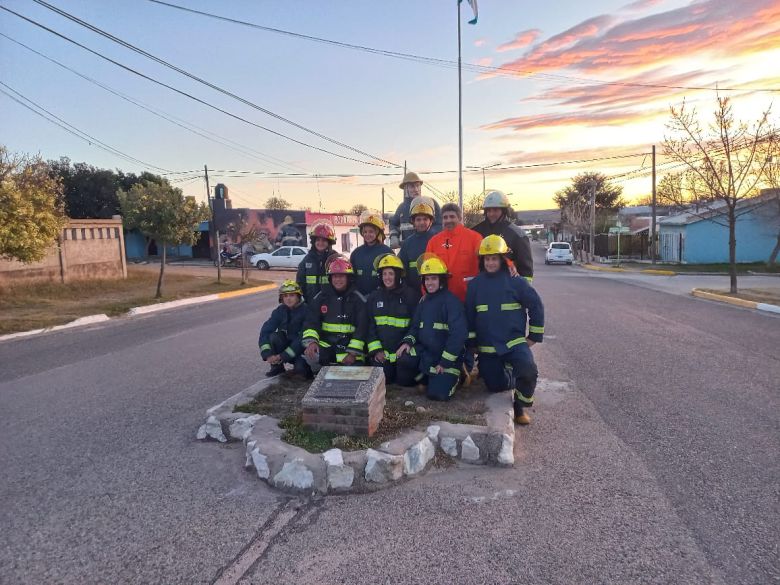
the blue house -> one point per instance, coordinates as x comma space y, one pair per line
135, 245
701, 236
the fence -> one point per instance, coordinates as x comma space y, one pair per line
87, 249
672, 247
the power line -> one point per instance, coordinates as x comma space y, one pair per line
245, 150
185, 94
186, 73
57, 121
509, 71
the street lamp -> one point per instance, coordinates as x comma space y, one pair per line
483, 172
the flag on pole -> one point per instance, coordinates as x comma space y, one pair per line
473, 4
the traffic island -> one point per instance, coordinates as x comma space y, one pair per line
414, 434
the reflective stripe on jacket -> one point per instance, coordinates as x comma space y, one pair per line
311, 272
337, 319
390, 315
412, 248
498, 308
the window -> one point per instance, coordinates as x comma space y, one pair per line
282, 252
83, 233
345, 243
91, 233
298, 252
560, 246
73, 233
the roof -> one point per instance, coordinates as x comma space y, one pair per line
694, 214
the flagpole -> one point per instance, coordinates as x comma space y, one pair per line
460, 119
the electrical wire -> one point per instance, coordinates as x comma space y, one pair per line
70, 128
186, 73
185, 94
245, 150
503, 70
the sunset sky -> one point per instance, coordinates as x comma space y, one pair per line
589, 80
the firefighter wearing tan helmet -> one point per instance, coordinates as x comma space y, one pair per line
401, 222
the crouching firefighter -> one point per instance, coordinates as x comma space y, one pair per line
433, 349
280, 335
390, 310
499, 308
335, 328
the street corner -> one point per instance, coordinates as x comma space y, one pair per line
725, 298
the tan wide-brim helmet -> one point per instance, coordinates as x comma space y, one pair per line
410, 177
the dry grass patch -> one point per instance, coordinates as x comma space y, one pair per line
38, 305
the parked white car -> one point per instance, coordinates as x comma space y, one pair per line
559, 252
284, 257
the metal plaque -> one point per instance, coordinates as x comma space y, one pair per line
338, 389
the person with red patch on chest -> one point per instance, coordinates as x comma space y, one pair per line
458, 248
336, 325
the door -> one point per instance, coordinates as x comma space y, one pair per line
296, 257
281, 258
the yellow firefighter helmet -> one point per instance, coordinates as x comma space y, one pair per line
289, 286
388, 261
431, 264
493, 244
421, 206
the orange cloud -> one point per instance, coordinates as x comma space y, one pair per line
522, 39
597, 118
599, 44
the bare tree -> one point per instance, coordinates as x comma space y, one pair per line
575, 216
723, 164
771, 211
357, 209
244, 235
276, 203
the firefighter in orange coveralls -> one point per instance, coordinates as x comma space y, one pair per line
458, 248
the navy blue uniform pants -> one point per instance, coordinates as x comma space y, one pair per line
279, 342
516, 369
420, 368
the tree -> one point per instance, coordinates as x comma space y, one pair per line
576, 198
723, 165
91, 192
771, 211
357, 209
276, 203
668, 192
161, 212
31, 211
472, 207
243, 234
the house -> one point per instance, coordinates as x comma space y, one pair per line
701, 235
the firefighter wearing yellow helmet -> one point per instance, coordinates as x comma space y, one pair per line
390, 310
280, 335
335, 328
401, 222
505, 317
422, 214
499, 222
432, 351
372, 229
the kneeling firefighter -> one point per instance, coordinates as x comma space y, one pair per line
280, 335
335, 328
498, 309
390, 310
433, 349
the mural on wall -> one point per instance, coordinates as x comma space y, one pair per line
263, 229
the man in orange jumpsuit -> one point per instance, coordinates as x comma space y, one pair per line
458, 247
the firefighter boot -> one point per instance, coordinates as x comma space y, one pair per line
521, 417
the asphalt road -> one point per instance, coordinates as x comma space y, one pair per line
652, 458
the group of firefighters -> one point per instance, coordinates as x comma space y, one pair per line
422, 315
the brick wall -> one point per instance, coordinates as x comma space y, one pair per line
348, 419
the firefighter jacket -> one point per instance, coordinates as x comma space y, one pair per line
362, 260
517, 240
412, 248
390, 315
459, 249
288, 321
498, 308
311, 272
439, 331
401, 221
337, 320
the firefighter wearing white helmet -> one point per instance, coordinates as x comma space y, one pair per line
499, 308
401, 222
422, 213
498, 222
372, 228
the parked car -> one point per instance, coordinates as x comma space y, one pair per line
559, 252
284, 257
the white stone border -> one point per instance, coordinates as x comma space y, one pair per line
291, 468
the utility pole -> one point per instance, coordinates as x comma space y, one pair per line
653, 226
460, 119
215, 245
383, 203
592, 221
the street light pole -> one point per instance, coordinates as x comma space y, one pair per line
592, 219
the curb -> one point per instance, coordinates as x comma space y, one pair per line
653, 271
602, 268
767, 307
90, 319
198, 300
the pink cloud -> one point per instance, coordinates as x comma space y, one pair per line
719, 26
598, 118
479, 42
640, 5
522, 39
484, 61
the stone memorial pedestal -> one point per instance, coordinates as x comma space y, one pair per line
348, 400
